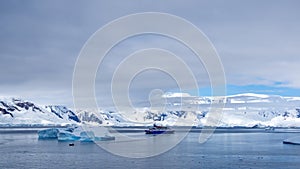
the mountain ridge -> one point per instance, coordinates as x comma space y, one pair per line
246, 110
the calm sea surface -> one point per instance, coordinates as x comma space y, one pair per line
20, 150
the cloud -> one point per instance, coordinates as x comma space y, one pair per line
258, 42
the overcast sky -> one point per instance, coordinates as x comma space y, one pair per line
40, 40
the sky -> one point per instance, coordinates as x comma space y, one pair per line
40, 41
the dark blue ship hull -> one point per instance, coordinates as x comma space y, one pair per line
169, 131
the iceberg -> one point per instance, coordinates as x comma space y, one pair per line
67, 136
72, 134
87, 136
70, 129
48, 133
294, 140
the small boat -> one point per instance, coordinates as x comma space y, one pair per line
71, 144
159, 130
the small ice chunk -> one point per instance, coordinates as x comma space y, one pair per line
294, 140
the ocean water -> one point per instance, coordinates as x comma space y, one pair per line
223, 150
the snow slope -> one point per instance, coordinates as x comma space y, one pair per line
247, 110
15, 111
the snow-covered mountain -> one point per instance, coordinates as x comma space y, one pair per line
245, 109
15, 111
181, 109
63, 112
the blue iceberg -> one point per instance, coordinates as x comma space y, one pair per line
72, 134
67, 136
87, 136
48, 133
